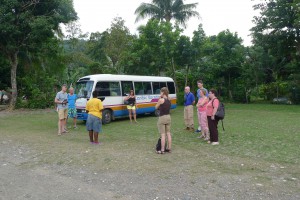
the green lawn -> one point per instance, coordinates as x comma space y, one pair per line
255, 138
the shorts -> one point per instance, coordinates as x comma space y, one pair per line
164, 124
62, 113
72, 112
131, 107
93, 123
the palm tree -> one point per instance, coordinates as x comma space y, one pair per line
166, 10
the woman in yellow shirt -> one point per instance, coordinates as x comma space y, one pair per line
94, 109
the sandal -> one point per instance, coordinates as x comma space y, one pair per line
168, 151
160, 152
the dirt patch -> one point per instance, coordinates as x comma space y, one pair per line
23, 175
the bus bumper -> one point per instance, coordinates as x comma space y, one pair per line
81, 114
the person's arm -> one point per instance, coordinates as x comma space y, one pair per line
101, 106
215, 105
193, 98
160, 101
56, 100
198, 104
135, 102
204, 101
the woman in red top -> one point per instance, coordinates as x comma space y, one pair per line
211, 110
202, 119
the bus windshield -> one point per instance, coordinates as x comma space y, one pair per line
84, 89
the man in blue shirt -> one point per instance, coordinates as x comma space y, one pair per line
200, 86
189, 101
72, 112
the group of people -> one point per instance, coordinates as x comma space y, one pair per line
207, 107
66, 108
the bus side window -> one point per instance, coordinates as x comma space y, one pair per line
139, 89
103, 89
108, 89
147, 87
171, 87
114, 88
156, 87
126, 87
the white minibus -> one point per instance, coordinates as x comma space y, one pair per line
112, 89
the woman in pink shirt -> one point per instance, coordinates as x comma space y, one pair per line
202, 119
211, 110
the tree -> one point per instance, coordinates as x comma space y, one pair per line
118, 41
277, 32
25, 25
166, 10
109, 47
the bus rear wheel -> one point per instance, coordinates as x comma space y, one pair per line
156, 113
106, 116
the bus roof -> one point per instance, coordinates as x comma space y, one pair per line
115, 77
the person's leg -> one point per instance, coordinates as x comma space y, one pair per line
191, 117
199, 121
163, 141
212, 129
161, 130
169, 141
65, 125
134, 114
60, 119
97, 128
96, 138
62, 125
75, 121
185, 115
65, 120
130, 116
204, 125
91, 136
215, 122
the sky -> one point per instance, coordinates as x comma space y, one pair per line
215, 15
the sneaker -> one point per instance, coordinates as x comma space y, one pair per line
97, 143
215, 143
198, 131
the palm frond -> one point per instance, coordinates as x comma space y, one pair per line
147, 10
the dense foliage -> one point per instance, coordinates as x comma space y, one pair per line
268, 69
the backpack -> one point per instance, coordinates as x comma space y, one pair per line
220, 114
158, 145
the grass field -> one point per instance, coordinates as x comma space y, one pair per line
260, 142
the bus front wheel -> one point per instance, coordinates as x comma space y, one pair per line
106, 116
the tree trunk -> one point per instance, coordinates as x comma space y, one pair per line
174, 75
229, 88
187, 74
13, 79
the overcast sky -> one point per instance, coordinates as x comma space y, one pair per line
216, 15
